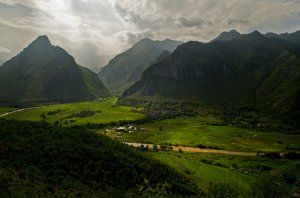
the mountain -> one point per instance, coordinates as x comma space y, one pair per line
251, 69
1, 62
43, 72
291, 37
126, 68
233, 34
226, 36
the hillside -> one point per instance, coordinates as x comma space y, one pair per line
126, 68
43, 72
48, 161
251, 69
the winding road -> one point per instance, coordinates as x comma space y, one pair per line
199, 150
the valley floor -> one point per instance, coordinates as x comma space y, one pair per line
201, 132
202, 149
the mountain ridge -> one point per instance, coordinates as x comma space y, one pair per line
293, 37
233, 71
126, 68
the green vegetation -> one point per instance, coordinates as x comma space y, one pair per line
6, 109
40, 160
204, 132
204, 174
94, 112
207, 170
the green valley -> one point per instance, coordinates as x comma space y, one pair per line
149, 99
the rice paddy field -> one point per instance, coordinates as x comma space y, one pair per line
193, 132
206, 169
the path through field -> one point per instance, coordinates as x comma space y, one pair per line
198, 150
16, 111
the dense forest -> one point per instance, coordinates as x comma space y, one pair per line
40, 160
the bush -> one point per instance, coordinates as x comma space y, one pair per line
266, 186
291, 155
223, 191
273, 155
201, 146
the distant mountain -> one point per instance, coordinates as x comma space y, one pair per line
233, 34
226, 36
43, 72
251, 69
291, 37
126, 68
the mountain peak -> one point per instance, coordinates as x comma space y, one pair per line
256, 33
42, 40
51, 75
233, 32
226, 36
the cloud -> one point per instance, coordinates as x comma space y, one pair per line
203, 20
4, 50
190, 22
238, 22
94, 31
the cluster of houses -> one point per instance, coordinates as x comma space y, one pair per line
124, 129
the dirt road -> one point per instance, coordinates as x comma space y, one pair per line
198, 150
16, 111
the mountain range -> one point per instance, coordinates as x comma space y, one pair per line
126, 68
46, 73
233, 34
242, 69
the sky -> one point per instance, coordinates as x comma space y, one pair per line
94, 31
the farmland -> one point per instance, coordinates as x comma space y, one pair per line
205, 168
200, 131
93, 112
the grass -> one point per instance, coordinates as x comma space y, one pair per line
104, 112
239, 171
6, 109
204, 174
195, 131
